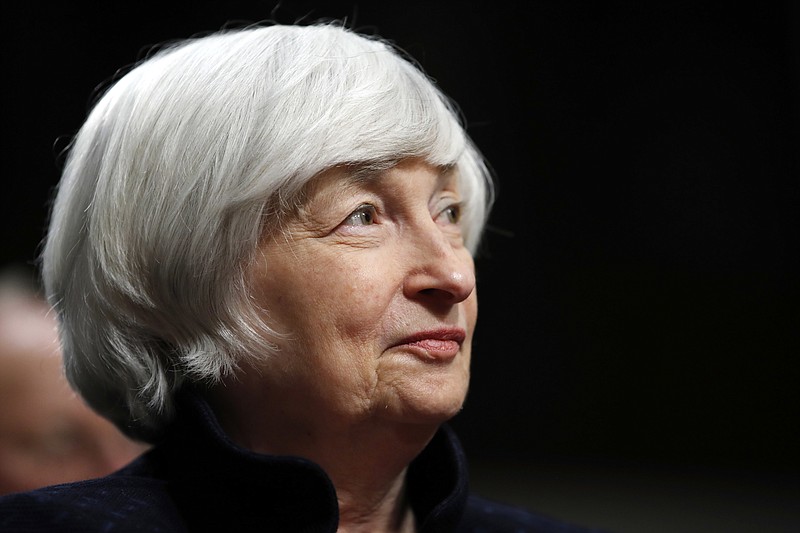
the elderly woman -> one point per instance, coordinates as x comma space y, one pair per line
261, 258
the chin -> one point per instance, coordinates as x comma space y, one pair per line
434, 407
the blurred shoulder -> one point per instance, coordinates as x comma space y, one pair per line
486, 516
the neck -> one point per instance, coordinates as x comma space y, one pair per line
366, 461
382, 507
368, 468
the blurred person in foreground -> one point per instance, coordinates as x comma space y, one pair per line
261, 256
47, 433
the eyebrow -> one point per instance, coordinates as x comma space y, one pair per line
359, 173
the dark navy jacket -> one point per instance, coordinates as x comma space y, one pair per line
197, 479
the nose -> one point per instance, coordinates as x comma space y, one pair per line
441, 271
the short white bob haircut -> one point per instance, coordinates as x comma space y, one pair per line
179, 169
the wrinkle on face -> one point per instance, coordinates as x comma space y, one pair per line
338, 293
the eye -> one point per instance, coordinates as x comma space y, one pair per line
451, 214
363, 216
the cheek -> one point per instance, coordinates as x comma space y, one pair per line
471, 311
328, 305
355, 298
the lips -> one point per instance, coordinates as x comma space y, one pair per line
439, 344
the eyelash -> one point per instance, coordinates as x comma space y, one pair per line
366, 214
455, 211
362, 210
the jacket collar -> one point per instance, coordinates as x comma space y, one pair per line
217, 484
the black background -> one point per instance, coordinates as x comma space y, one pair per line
638, 283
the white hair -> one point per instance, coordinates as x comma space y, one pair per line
168, 184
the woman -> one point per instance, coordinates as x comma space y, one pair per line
261, 258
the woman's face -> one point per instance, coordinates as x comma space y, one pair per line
375, 290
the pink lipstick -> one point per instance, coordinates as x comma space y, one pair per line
440, 344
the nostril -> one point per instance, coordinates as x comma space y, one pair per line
440, 294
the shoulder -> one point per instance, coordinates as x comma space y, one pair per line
110, 504
486, 516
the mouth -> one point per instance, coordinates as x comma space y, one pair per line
441, 344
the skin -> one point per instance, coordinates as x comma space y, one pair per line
47, 433
375, 292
